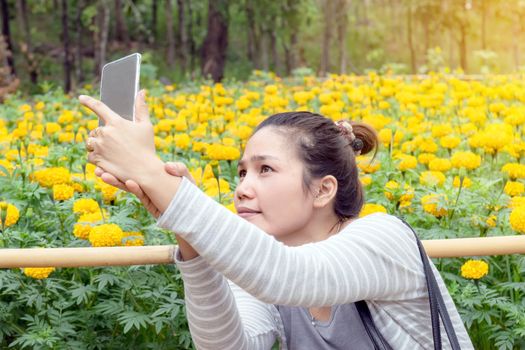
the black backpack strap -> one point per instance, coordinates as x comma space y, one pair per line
375, 336
437, 304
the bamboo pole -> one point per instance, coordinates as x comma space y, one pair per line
162, 254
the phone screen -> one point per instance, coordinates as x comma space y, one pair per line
119, 86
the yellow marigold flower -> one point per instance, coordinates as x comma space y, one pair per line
82, 230
514, 170
109, 192
431, 204
6, 164
211, 188
106, 235
221, 152
85, 205
182, 141
432, 178
474, 269
52, 176
38, 272
449, 142
66, 137
439, 130
242, 104
370, 208
466, 182
367, 165
428, 146
491, 221
62, 192
425, 158
9, 214
271, 89
439, 164
53, 128
406, 162
385, 136
365, 180
516, 202
465, 159
391, 187
93, 217
513, 188
133, 239
517, 219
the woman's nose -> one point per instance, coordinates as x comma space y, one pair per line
244, 189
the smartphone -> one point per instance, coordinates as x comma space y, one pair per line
119, 85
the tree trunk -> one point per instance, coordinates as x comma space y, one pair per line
121, 27
183, 35
79, 74
328, 19
276, 64
25, 44
193, 50
6, 32
342, 25
154, 21
170, 53
213, 51
100, 35
65, 40
409, 38
253, 37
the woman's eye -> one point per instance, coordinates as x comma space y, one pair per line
242, 173
265, 169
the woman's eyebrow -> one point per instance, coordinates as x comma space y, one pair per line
257, 158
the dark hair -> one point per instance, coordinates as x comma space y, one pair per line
327, 148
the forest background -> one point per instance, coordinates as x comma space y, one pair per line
66, 42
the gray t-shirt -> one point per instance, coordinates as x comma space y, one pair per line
344, 330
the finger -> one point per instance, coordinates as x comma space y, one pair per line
93, 158
113, 181
179, 169
100, 109
141, 108
99, 171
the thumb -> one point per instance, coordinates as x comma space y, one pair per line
141, 108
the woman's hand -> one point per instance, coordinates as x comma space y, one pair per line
123, 148
175, 169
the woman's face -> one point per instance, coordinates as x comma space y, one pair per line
270, 192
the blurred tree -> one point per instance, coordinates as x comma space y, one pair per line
328, 9
25, 42
6, 32
170, 53
100, 34
182, 36
121, 27
213, 50
68, 65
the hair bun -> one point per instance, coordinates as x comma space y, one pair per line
357, 145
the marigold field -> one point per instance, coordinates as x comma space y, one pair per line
450, 163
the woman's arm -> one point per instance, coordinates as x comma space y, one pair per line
374, 258
222, 319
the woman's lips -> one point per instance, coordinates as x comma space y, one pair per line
247, 215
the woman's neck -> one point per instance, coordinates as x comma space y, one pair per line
315, 231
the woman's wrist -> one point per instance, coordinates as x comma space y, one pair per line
158, 185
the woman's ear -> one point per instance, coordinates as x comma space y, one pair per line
326, 191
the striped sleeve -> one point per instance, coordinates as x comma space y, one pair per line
373, 258
220, 314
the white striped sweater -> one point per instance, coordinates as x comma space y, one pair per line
231, 288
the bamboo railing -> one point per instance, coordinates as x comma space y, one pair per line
162, 254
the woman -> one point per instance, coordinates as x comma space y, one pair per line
294, 260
